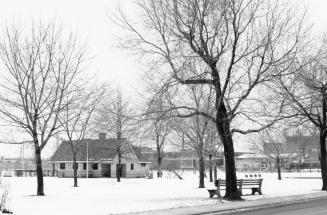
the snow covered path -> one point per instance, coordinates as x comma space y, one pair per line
106, 196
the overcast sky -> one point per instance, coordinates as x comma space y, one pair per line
90, 18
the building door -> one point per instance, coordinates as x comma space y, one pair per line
106, 170
122, 170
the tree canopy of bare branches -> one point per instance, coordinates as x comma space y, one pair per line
304, 90
233, 46
160, 125
76, 119
117, 117
196, 128
41, 65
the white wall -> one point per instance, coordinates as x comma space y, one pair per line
138, 171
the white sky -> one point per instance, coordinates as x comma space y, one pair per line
90, 19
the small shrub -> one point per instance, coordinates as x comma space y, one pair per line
4, 192
5, 211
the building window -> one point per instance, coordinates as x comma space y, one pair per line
95, 166
62, 166
84, 166
143, 164
132, 166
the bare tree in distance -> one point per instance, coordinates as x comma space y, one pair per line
117, 117
305, 89
212, 147
234, 46
160, 126
273, 144
196, 128
41, 65
158, 123
76, 119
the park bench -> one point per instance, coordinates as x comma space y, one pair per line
253, 184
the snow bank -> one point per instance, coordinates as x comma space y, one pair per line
106, 196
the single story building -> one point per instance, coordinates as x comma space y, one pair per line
99, 158
252, 162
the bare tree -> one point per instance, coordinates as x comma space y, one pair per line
235, 46
196, 128
273, 145
76, 118
306, 91
212, 147
40, 68
159, 130
159, 124
117, 117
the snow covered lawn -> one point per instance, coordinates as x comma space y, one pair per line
106, 196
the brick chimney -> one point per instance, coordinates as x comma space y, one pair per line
102, 136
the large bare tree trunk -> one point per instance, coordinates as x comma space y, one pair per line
223, 127
39, 171
159, 173
201, 170
323, 163
323, 135
210, 167
74, 164
278, 168
75, 170
119, 167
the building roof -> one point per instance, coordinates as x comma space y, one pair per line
99, 150
141, 153
251, 156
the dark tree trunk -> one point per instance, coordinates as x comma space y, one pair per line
201, 170
223, 127
159, 173
323, 163
75, 170
74, 164
39, 171
118, 172
210, 167
278, 168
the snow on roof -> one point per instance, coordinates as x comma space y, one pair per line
251, 156
98, 150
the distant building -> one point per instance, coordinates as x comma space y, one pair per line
99, 158
183, 159
20, 167
302, 151
253, 162
306, 150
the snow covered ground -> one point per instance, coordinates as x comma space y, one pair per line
106, 196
